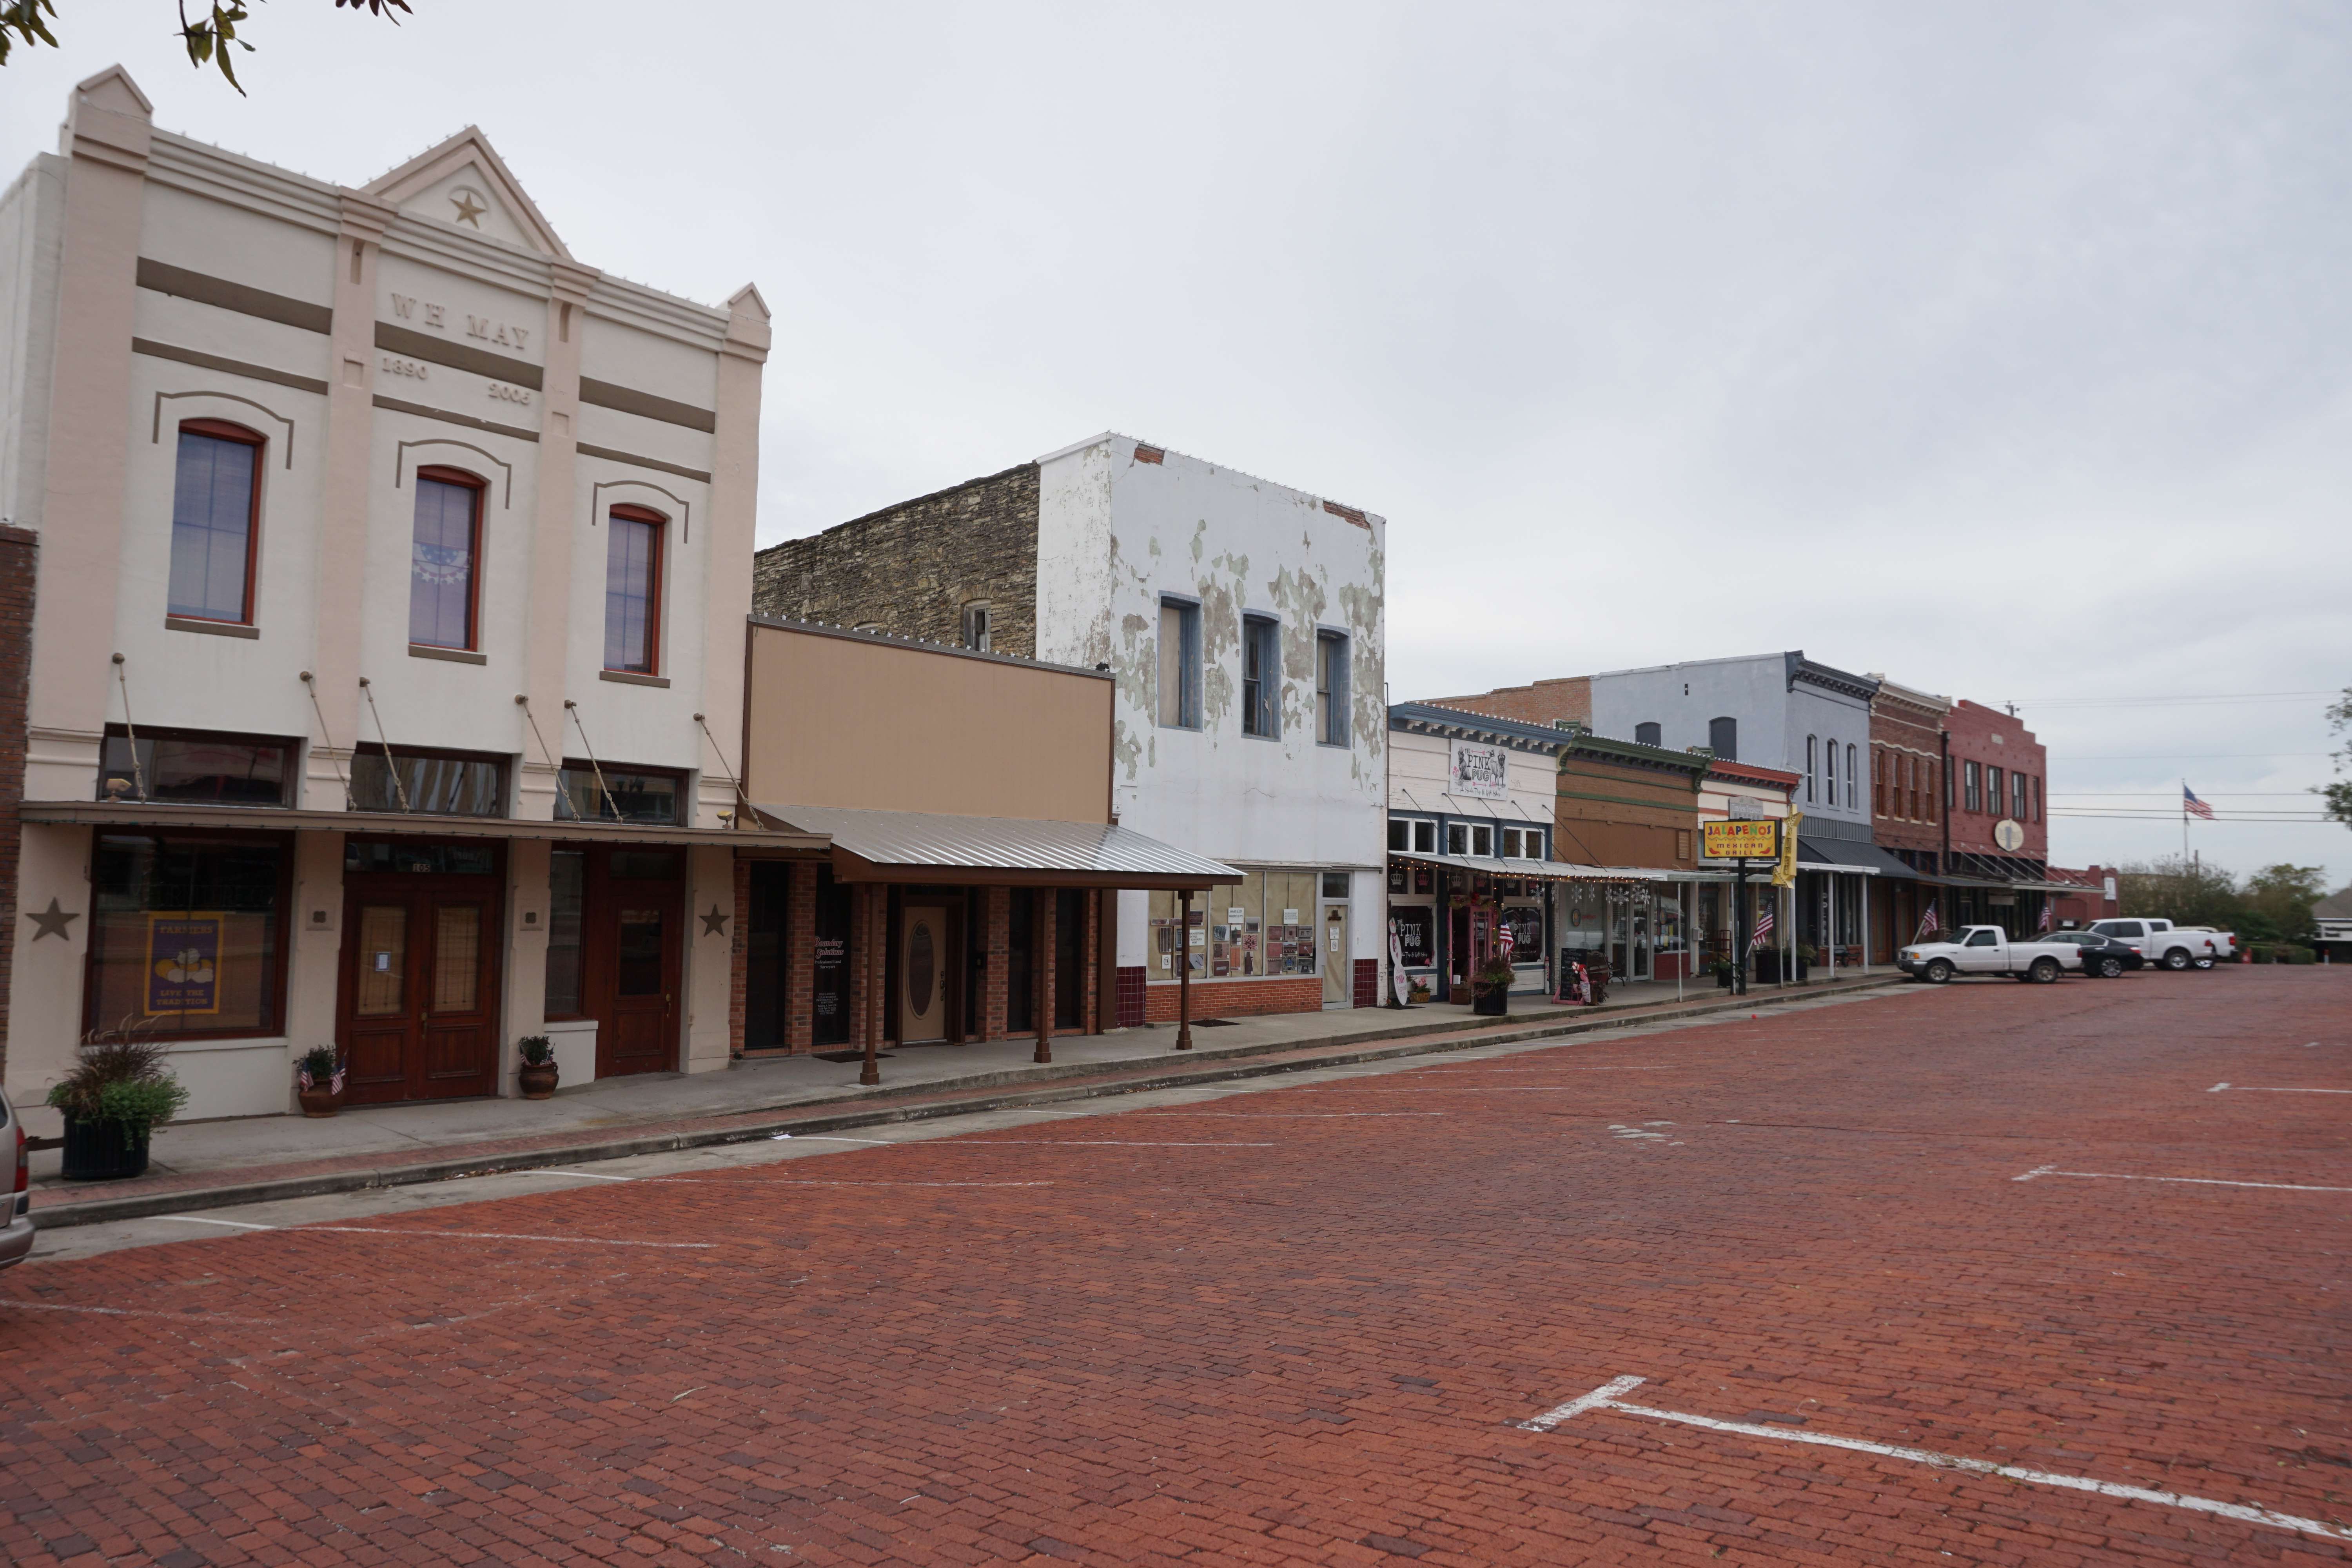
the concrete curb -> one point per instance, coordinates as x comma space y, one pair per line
812, 1118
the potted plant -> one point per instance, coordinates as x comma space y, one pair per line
538, 1071
1723, 970
319, 1083
1418, 991
119, 1092
1490, 988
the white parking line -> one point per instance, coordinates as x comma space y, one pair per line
759, 1181
135, 1312
2191, 1180
461, 1234
1246, 1115
2261, 1088
1605, 1397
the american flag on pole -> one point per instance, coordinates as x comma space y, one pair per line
2192, 806
1763, 928
1927, 926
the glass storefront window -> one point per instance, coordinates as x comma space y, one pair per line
567, 900
364, 856
195, 768
428, 782
184, 935
626, 795
1263, 925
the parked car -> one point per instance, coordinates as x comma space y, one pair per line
2161, 942
1988, 950
2103, 957
16, 1236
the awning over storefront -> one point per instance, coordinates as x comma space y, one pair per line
934, 846
1557, 870
410, 824
1850, 857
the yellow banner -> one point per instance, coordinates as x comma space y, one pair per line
1752, 838
1785, 874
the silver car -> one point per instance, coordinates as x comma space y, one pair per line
16, 1236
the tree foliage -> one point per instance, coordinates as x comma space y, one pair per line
208, 37
2336, 798
2272, 905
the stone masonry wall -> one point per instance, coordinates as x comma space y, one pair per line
910, 569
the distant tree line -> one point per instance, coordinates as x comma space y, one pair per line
2274, 905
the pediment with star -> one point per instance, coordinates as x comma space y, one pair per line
464, 183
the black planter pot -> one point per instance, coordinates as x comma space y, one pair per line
96, 1151
1723, 978
1490, 1001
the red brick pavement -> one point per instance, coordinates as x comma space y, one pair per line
1311, 1344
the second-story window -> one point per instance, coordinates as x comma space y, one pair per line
1330, 689
1648, 734
1722, 738
976, 627
1180, 664
1931, 781
1830, 771
1812, 764
435, 783
1261, 677
444, 558
1853, 777
215, 523
633, 572
1971, 788
2017, 797
1992, 792
2037, 797
1878, 763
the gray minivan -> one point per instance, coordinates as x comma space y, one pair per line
16, 1237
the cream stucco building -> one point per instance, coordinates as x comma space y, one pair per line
390, 560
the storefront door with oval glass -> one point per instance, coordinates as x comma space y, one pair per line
418, 998
923, 973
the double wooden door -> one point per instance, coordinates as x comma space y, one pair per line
418, 1007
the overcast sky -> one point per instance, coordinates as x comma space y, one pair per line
2002, 348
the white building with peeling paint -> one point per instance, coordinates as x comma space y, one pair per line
1244, 621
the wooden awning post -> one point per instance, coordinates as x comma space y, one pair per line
1046, 901
1184, 971
878, 905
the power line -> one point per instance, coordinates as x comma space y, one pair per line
2187, 756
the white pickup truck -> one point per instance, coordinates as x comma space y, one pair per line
2174, 947
1988, 950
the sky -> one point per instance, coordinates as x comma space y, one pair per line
2002, 348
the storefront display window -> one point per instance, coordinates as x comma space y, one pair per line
193, 767
363, 856
586, 792
185, 935
567, 902
438, 783
1261, 925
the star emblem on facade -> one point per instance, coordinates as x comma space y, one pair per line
52, 921
468, 209
713, 924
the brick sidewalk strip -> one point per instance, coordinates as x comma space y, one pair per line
180, 1192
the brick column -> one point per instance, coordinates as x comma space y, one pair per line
856, 960
800, 958
19, 563
1090, 962
1041, 967
738, 975
997, 944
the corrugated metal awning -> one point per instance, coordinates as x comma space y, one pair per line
406, 825
933, 847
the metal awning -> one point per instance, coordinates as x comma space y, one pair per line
1850, 856
1556, 870
934, 846
409, 825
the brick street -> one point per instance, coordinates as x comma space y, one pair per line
1305, 1322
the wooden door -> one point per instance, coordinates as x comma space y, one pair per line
419, 993
636, 950
1339, 974
924, 973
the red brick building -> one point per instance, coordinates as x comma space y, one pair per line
2094, 899
1907, 814
1995, 777
1565, 698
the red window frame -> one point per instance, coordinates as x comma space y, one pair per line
476, 487
222, 430
657, 566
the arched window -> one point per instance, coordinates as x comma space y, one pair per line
1853, 779
1722, 738
215, 523
1828, 772
1812, 764
445, 559
633, 586
1648, 734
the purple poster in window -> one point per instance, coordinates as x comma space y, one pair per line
183, 963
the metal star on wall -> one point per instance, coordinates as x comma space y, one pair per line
714, 923
52, 921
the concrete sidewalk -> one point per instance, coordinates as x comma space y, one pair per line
214, 1163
